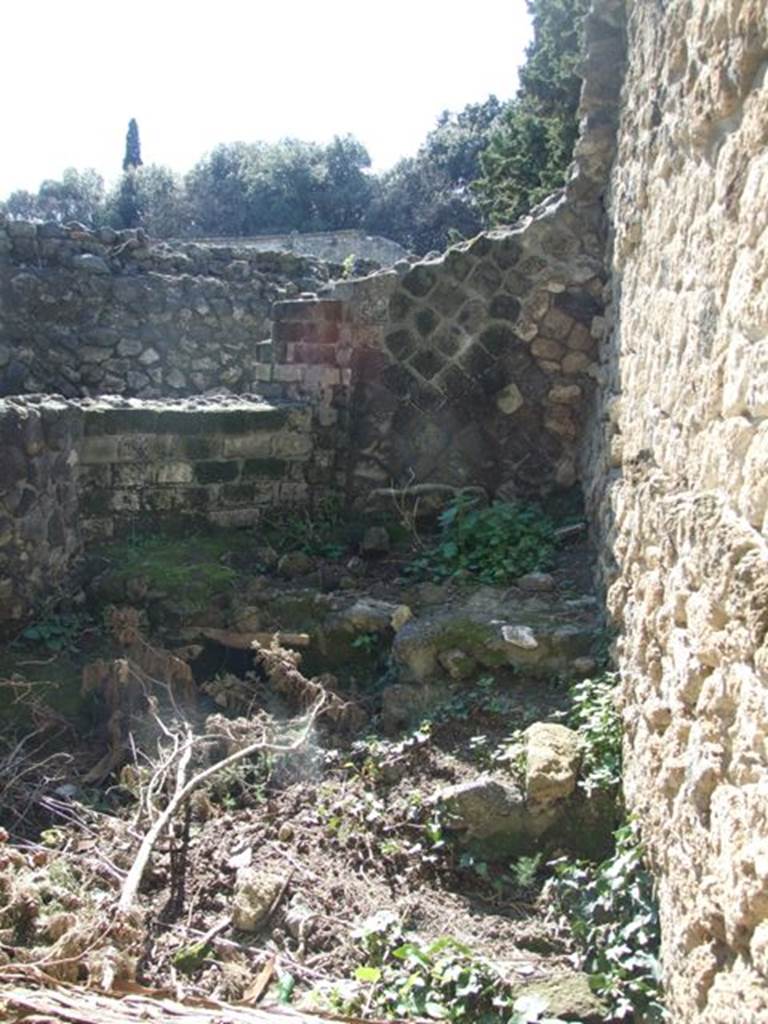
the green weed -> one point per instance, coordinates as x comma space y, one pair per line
595, 717
57, 633
492, 544
611, 908
403, 977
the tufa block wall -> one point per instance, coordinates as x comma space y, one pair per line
677, 479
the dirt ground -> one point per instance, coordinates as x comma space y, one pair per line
343, 828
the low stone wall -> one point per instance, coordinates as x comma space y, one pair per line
221, 462
78, 471
330, 246
104, 312
39, 522
678, 482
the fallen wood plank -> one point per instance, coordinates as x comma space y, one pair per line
72, 1005
246, 641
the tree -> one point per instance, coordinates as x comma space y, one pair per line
426, 202
529, 151
132, 158
78, 196
126, 210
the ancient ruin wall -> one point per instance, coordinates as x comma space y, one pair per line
40, 531
330, 246
105, 312
679, 483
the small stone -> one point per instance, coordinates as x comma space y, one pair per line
255, 892
285, 833
91, 264
509, 399
565, 394
536, 581
551, 762
375, 541
148, 357
583, 667
129, 347
576, 362
457, 663
295, 563
520, 636
175, 379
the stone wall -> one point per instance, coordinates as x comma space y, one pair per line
475, 368
678, 482
331, 246
39, 522
79, 471
105, 312
220, 462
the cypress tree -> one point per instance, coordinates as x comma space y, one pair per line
132, 158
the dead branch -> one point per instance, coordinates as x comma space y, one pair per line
184, 789
281, 667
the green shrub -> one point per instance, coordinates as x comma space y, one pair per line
612, 912
493, 543
595, 717
404, 977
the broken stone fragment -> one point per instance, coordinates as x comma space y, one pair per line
369, 615
484, 808
295, 563
551, 762
520, 636
255, 892
536, 581
457, 663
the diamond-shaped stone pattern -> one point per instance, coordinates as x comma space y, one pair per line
501, 334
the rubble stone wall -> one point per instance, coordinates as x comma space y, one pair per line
40, 531
331, 246
677, 477
106, 312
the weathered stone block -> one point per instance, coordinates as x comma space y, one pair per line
216, 472
269, 469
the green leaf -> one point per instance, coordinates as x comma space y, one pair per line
286, 983
368, 974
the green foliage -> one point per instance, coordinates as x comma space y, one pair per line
127, 208
425, 202
493, 544
190, 959
367, 642
320, 531
596, 719
442, 980
246, 188
132, 158
525, 870
531, 146
612, 912
58, 632
78, 196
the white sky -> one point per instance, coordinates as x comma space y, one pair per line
193, 74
